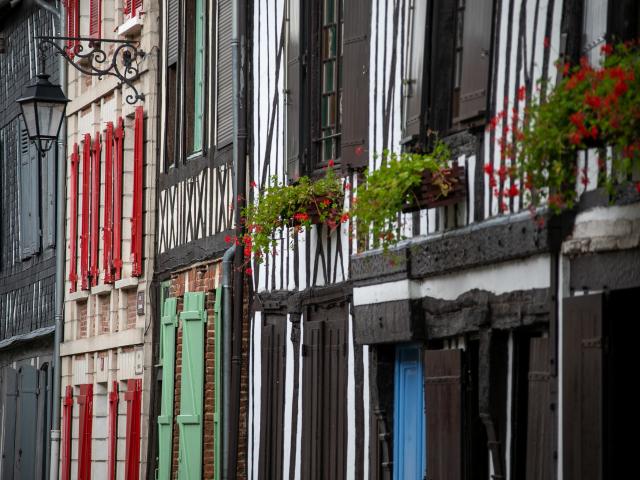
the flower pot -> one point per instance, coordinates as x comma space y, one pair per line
313, 210
428, 194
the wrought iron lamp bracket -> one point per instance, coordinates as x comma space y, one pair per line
122, 62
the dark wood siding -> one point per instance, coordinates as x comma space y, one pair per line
443, 400
583, 387
274, 333
324, 387
355, 88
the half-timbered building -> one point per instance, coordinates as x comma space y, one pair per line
106, 352
27, 258
491, 346
194, 226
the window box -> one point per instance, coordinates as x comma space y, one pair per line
314, 210
429, 193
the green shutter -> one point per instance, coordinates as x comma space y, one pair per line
199, 78
217, 418
167, 359
192, 387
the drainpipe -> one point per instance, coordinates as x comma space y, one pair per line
60, 253
227, 275
238, 58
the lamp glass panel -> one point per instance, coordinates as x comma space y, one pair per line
29, 114
49, 117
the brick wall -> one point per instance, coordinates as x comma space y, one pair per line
83, 319
204, 279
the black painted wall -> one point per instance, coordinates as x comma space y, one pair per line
26, 286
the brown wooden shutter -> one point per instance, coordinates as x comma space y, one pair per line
312, 369
173, 9
272, 393
355, 84
538, 459
475, 58
582, 360
443, 400
416, 70
293, 89
334, 392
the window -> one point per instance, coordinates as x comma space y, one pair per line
187, 71
447, 69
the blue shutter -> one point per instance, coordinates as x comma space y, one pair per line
26, 422
10, 381
29, 180
409, 415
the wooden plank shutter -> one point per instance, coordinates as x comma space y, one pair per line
85, 402
191, 387
107, 228
538, 459
443, 399
294, 90
27, 415
312, 370
582, 360
133, 398
138, 198
224, 79
217, 417
173, 31
73, 220
334, 392
476, 46
168, 360
48, 178
113, 431
117, 200
95, 208
413, 82
272, 401
43, 417
10, 401
29, 178
355, 85
85, 215
95, 18
67, 417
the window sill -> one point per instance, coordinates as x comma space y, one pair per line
131, 27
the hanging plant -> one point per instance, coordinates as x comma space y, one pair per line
296, 206
590, 107
396, 185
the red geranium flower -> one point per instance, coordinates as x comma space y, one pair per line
607, 49
488, 168
522, 92
575, 138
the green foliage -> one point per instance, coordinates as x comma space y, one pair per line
386, 190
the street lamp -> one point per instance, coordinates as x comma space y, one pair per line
43, 107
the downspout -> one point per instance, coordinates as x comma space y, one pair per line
60, 252
238, 58
227, 275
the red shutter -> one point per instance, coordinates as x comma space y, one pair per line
84, 235
133, 398
73, 24
67, 412
113, 431
107, 229
136, 217
73, 223
117, 204
95, 18
95, 208
85, 401
132, 7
